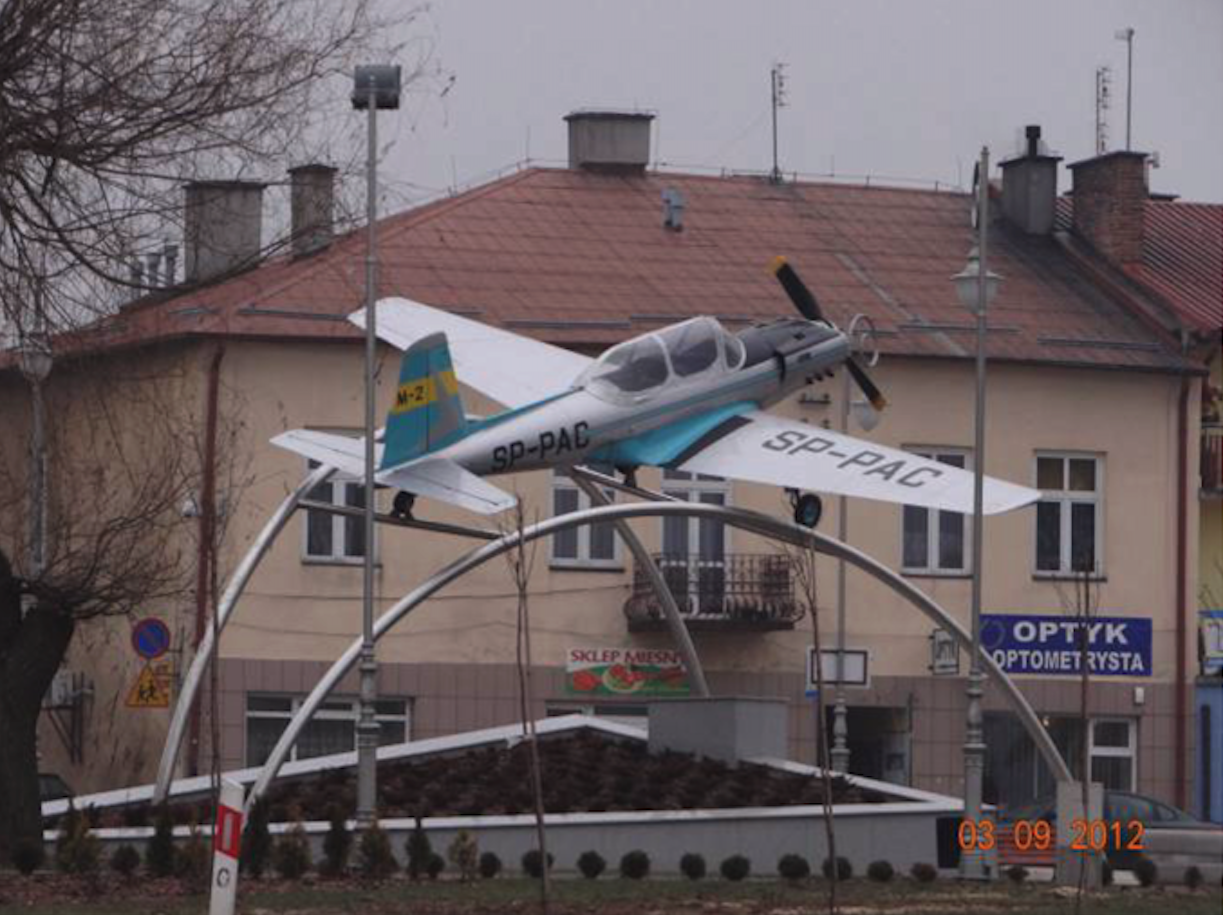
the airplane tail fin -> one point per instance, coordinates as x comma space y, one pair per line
428, 410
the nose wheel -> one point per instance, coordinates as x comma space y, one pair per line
808, 508
403, 505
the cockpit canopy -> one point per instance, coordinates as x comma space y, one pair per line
638, 368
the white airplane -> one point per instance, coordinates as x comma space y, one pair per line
690, 397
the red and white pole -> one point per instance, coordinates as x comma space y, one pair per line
226, 841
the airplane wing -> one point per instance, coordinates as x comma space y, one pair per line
766, 449
434, 478
442, 479
511, 369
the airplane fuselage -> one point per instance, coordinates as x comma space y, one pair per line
583, 425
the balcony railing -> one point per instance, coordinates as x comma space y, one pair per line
1212, 458
736, 591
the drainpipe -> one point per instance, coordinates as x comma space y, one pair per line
204, 553
1182, 609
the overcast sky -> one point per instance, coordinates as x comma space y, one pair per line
888, 88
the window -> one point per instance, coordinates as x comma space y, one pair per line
333, 729
335, 538
589, 546
1069, 514
934, 541
694, 549
1016, 775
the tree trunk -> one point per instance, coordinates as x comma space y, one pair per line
31, 649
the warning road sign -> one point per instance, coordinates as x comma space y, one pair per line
149, 691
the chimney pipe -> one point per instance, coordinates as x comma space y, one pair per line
222, 227
1029, 187
1110, 195
312, 204
1032, 132
612, 142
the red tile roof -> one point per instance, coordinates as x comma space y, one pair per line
583, 259
1182, 259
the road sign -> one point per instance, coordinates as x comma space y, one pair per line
149, 691
226, 839
151, 638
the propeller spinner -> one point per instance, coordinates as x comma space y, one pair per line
809, 308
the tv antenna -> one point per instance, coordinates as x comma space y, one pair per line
777, 77
1104, 83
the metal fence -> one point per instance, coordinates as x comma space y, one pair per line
738, 590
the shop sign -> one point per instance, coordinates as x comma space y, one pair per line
1211, 622
625, 671
1117, 646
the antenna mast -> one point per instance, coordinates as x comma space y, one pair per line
1104, 81
1127, 35
777, 77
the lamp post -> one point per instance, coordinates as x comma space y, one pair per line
374, 87
976, 287
36, 361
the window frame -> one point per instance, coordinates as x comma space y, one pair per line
693, 485
340, 484
324, 713
583, 560
933, 452
1067, 498
1129, 751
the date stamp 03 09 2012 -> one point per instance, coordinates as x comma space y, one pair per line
1039, 835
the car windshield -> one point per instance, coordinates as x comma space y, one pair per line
635, 367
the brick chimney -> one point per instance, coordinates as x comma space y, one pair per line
1110, 194
312, 202
1029, 187
222, 227
613, 142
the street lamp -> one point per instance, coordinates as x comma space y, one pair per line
374, 87
35, 360
976, 286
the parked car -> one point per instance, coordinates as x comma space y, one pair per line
1170, 837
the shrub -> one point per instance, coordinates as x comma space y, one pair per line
736, 867
435, 865
635, 865
257, 843
924, 873
1146, 871
292, 854
28, 855
793, 868
193, 863
1193, 877
464, 854
1017, 873
591, 864
532, 863
490, 865
124, 861
159, 856
419, 851
880, 871
375, 859
845, 870
692, 866
337, 845
76, 849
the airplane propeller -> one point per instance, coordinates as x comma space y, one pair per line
809, 308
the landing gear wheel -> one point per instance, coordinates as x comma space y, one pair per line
808, 509
403, 504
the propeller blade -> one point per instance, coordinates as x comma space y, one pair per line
873, 394
796, 289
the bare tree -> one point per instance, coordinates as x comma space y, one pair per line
107, 107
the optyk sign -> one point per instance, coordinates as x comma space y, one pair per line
1030, 644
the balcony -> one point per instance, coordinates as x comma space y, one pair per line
1212, 459
738, 591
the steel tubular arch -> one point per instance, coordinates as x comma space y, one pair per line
233, 590
735, 517
670, 610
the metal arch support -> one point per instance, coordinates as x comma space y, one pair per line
735, 517
670, 610
233, 590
